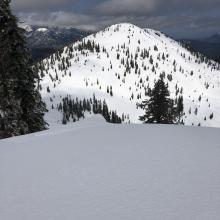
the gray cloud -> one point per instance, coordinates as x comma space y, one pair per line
27, 5
155, 7
115, 7
178, 17
59, 18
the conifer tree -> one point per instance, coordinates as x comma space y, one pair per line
21, 107
159, 107
179, 109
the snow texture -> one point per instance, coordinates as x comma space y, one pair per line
91, 170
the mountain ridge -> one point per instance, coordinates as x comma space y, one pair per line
209, 46
128, 60
44, 40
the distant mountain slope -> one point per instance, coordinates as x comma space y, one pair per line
96, 171
121, 64
44, 41
209, 46
214, 39
53, 37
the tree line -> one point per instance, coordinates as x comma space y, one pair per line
74, 109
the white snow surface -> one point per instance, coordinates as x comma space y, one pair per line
80, 79
42, 30
92, 170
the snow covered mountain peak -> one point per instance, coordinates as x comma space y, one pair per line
133, 32
121, 63
126, 31
26, 27
42, 30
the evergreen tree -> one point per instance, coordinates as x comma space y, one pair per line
21, 107
159, 108
64, 120
179, 109
76, 108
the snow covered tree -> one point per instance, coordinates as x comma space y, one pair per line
21, 107
159, 107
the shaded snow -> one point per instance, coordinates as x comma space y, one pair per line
93, 170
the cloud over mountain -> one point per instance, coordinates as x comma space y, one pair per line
194, 17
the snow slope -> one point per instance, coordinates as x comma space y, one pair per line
91, 170
92, 72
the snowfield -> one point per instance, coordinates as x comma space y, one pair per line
91, 170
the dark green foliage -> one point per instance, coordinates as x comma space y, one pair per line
196, 111
111, 92
21, 107
179, 110
170, 77
75, 109
64, 120
159, 107
151, 60
90, 46
155, 48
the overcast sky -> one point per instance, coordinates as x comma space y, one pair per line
179, 18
